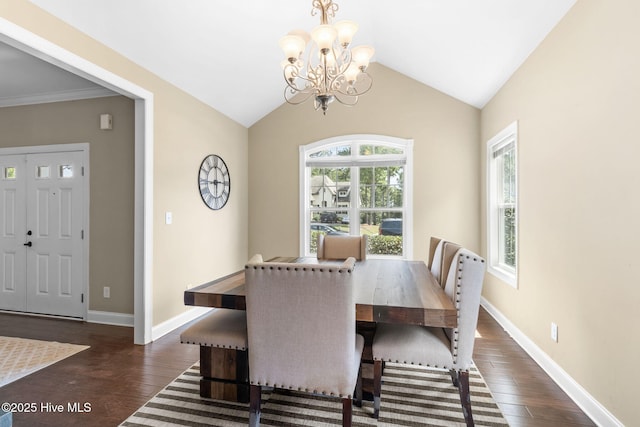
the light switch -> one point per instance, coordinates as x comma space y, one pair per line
168, 218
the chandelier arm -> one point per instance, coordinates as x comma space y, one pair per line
336, 81
291, 97
309, 87
349, 100
310, 83
368, 82
362, 85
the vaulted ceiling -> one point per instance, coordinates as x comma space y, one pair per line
225, 52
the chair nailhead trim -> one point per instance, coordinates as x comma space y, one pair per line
298, 388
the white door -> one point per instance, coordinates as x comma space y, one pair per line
13, 233
52, 233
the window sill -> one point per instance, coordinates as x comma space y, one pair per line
504, 275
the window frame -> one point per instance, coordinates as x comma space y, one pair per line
355, 141
495, 236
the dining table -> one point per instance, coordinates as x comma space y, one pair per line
385, 290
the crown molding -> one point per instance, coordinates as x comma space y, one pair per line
43, 98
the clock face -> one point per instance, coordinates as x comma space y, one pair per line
214, 182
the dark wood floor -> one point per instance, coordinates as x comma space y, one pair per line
525, 393
116, 377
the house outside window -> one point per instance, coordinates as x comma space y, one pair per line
358, 184
502, 192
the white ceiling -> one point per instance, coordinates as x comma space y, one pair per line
29, 80
225, 52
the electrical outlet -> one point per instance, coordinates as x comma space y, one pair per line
106, 292
554, 332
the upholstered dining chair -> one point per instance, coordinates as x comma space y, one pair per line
342, 247
435, 257
447, 349
301, 328
449, 251
441, 253
435, 246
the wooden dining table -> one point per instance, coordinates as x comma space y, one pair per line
385, 290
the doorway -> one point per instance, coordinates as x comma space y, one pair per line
43, 230
35, 45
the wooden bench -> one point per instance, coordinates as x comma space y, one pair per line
224, 363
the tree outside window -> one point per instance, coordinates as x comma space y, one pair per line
502, 200
356, 186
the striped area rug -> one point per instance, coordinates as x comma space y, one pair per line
411, 396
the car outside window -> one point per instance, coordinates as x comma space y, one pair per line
358, 184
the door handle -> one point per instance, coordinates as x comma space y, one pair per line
28, 244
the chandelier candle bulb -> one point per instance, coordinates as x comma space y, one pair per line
346, 30
352, 73
324, 35
362, 55
292, 45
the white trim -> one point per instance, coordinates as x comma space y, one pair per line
594, 409
110, 318
407, 159
44, 98
39, 47
304, 196
408, 189
504, 273
177, 321
143, 222
39, 149
84, 148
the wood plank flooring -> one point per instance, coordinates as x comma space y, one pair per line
525, 393
116, 377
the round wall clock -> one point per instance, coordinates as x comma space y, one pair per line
214, 182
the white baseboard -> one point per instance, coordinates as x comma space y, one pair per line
598, 413
177, 321
110, 318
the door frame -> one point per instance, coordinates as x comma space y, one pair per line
83, 148
41, 48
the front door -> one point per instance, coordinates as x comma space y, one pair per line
43, 222
13, 228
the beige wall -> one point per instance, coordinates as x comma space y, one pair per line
576, 100
200, 244
446, 167
111, 179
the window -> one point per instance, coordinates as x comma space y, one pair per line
10, 172
43, 172
66, 171
502, 192
358, 184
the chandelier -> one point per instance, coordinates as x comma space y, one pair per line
331, 71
